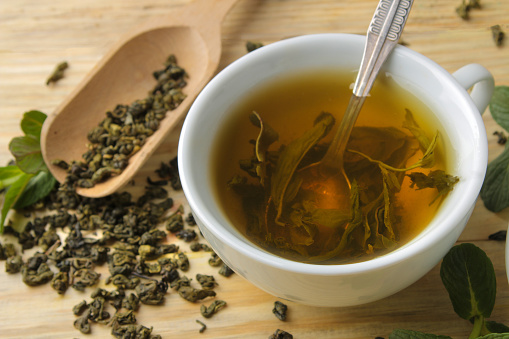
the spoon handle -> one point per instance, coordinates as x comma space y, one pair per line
383, 35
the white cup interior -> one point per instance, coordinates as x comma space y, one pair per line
454, 110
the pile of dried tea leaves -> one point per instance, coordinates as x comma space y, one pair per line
126, 128
126, 235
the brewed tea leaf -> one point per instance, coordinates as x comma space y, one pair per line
266, 137
425, 161
416, 130
355, 221
388, 186
443, 182
291, 156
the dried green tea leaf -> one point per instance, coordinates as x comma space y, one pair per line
292, 155
60, 282
203, 326
193, 294
498, 34
149, 293
207, 282
280, 334
251, 46
209, 311
280, 310
225, 271
58, 73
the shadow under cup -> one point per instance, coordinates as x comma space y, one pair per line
332, 285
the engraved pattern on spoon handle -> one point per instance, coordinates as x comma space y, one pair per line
382, 36
397, 24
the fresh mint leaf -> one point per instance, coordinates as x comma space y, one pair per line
499, 106
495, 189
468, 275
27, 152
11, 196
31, 124
407, 334
495, 336
9, 175
37, 188
495, 327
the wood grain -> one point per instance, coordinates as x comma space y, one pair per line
36, 35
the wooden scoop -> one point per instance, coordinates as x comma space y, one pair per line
192, 33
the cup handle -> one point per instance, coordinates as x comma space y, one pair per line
481, 81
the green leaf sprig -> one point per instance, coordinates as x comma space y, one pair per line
29, 180
468, 276
495, 189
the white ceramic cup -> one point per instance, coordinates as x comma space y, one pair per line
349, 284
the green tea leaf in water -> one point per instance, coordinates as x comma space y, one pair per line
292, 155
420, 135
266, 137
444, 183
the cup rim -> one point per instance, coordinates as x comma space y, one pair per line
417, 247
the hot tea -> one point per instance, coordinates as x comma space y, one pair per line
396, 161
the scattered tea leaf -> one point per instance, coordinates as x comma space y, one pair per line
498, 34
280, 310
58, 73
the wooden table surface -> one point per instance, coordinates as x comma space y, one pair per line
35, 35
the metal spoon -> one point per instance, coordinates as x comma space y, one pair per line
382, 36
191, 32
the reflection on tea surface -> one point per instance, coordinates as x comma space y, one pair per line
395, 160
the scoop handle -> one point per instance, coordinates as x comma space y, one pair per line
480, 80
